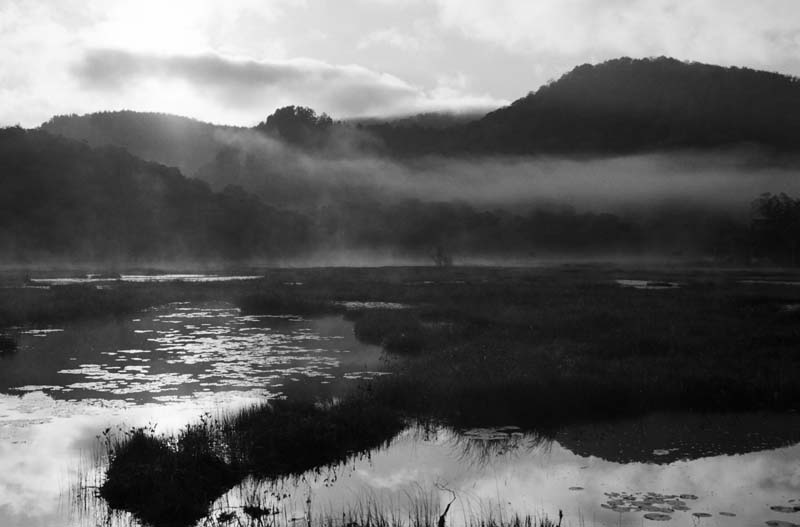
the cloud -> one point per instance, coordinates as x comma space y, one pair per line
390, 37
760, 34
250, 85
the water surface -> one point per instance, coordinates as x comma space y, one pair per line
164, 366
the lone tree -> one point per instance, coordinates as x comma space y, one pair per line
298, 125
441, 258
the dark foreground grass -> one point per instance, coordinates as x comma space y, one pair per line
532, 348
172, 480
550, 346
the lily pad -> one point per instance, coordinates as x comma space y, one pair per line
576, 488
783, 508
701, 515
780, 523
659, 517
726, 514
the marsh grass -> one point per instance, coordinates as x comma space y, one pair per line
434, 506
172, 479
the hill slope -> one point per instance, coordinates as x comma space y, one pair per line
63, 199
628, 105
168, 139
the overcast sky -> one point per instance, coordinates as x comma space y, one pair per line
235, 61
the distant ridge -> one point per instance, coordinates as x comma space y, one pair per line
616, 107
629, 105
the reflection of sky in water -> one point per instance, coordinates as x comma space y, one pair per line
526, 476
45, 445
166, 365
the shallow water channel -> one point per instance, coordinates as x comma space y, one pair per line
170, 364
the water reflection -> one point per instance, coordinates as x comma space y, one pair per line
498, 473
170, 364
183, 349
167, 366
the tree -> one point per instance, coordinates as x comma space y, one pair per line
298, 125
441, 258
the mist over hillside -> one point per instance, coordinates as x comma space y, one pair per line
629, 157
64, 201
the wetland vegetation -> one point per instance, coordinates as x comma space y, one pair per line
538, 349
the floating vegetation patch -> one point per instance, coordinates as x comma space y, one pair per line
651, 503
658, 517
784, 508
41, 332
701, 515
371, 305
730, 514
780, 523
664, 451
495, 434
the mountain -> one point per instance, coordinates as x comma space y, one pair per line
624, 106
615, 107
62, 199
628, 105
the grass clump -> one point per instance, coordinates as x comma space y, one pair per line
172, 480
166, 480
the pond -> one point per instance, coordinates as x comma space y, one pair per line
168, 365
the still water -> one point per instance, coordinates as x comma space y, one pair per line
168, 365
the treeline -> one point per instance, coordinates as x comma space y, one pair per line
62, 199
424, 228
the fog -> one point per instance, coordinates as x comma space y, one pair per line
717, 181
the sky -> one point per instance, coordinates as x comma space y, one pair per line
236, 61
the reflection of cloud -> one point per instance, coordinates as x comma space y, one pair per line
45, 444
344, 90
537, 482
395, 480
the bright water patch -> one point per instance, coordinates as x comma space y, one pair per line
140, 278
496, 473
184, 349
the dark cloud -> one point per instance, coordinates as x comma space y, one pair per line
343, 90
